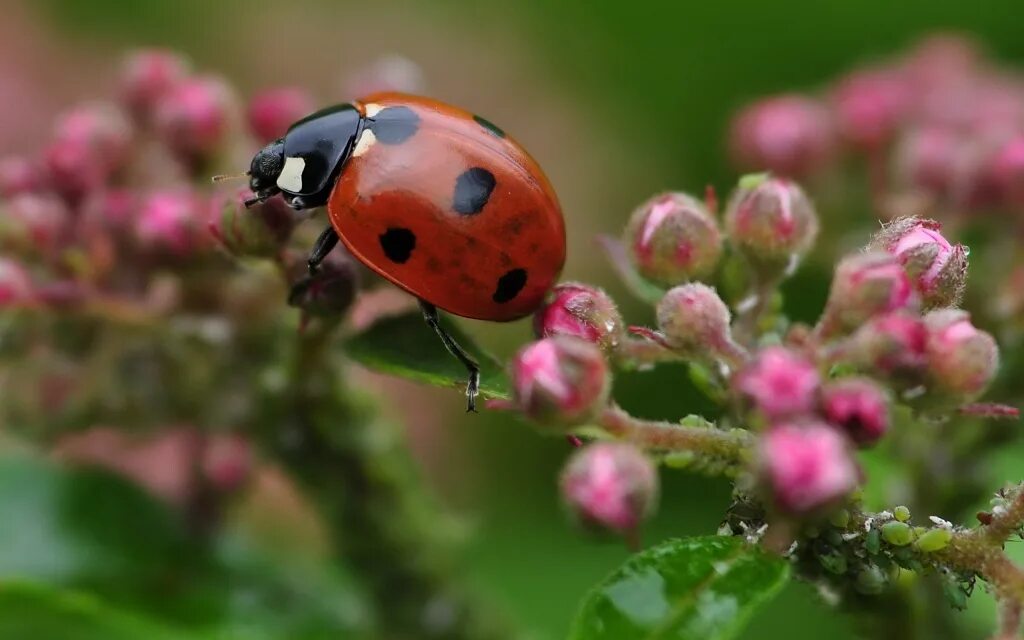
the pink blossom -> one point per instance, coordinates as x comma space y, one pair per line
781, 383
673, 238
790, 135
859, 407
195, 116
561, 380
170, 221
582, 311
271, 112
870, 106
891, 343
610, 485
148, 76
962, 359
771, 218
807, 466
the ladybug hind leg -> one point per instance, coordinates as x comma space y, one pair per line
323, 246
473, 385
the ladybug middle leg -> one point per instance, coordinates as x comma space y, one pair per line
473, 386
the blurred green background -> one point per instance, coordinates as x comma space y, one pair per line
616, 100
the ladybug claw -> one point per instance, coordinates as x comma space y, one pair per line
472, 391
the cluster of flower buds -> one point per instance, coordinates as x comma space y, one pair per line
938, 124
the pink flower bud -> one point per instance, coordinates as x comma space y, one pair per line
858, 406
781, 383
770, 219
272, 112
227, 462
930, 159
103, 128
695, 322
610, 486
790, 135
870, 106
75, 169
20, 175
34, 222
1005, 172
148, 76
937, 268
16, 287
865, 285
330, 291
560, 381
112, 210
962, 359
194, 117
892, 345
807, 466
261, 230
672, 238
172, 222
586, 312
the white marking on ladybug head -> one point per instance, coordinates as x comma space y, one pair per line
372, 109
365, 142
290, 178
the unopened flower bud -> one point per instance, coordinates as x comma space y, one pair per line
148, 76
16, 287
575, 309
672, 238
771, 219
937, 268
102, 128
271, 112
172, 222
695, 321
1004, 171
807, 466
560, 381
75, 169
962, 359
859, 407
930, 158
259, 231
781, 383
610, 486
892, 345
865, 285
870, 106
227, 462
194, 117
33, 222
20, 175
330, 291
790, 135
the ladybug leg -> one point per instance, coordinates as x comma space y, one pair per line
473, 386
324, 244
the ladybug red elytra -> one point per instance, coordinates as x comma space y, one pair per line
435, 199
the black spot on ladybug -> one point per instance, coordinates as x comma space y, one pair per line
490, 126
394, 125
509, 285
398, 244
472, 190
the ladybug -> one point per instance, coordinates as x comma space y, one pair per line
437, 200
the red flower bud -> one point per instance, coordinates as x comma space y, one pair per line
962, 359
16, 287
575, 309
172, 222
937, 268
672, 238
330, 291
560, 381
194, 117
770, 219
859, 407
695, 321
870, 106
261, 230
610, 486
807, 466
865, 285
271, 112
790, 135
148, 76
781, 383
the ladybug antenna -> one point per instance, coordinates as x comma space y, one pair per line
233, 176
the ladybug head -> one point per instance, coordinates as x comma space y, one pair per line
266, 166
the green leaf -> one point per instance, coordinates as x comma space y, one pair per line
694, 588
406, 347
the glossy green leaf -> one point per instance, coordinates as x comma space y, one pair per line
689, 589
406, 347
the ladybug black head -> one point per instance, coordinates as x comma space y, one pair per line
265, 168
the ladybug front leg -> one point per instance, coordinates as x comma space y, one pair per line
473, 386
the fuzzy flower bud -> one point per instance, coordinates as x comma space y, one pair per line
579, 310
20, 175
781, 383
194, 117
962, 359
771, 219
870, 105
610, 486
148, 76
892, 345
865, 285
859, 407
33, 222
672, 238
171, 222
807, 466
259, 231
330, 291
695, 321
790, 135
15, 284
937, 268
560, 381
271, 112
